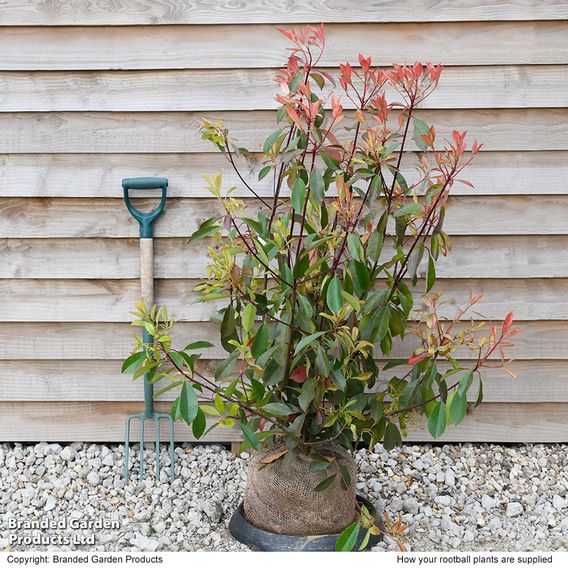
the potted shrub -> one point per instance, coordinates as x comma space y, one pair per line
319, 286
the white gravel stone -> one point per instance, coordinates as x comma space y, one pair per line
67, 454
487, 502
108, 460
449, 478
514, 509
411, 505
558, 502
93, 478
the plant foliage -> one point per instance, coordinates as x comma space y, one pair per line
318, 282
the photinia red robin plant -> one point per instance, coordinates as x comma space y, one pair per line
319, 282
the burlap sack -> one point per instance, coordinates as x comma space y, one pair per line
282, 500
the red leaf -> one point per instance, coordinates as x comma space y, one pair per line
298, 375
508, 322
417, 358
465, 182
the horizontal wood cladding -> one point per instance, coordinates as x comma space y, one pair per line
78, 341
112, 300
175, 132
507, 86
519, 256
100, 175
223, 47
93, 91
104, 422
136, 12
101, 380
92, 421
64, 217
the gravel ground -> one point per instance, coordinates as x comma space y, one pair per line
455, 497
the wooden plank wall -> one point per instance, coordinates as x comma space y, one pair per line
94, 91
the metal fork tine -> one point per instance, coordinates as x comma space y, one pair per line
141, 475
127, 448
171, 422
158, 448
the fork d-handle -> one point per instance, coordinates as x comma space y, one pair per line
146, 221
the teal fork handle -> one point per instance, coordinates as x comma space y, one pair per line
145, 219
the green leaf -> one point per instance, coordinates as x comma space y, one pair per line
322, 362
348, 538
479, 395
420, 128
392, 437
365, 540
133, 362
264, 172
206, 229
169, 387
175, 411
273, 373
229, 329
317, 185
260, 341
458, 408
199, 424
304, 342
431, 274
355, 247
330, 162
320, 81
415, 258
319, 465
345, 477
298, 194
408, 209
198, 345
257, 388
325, 483
465, 382
278, 409
375, 246
270, 141
188, 403
381, 324
437, 420
248, 316
334, 298
211, 410
307, 394
249, 435
362, 276
225, 367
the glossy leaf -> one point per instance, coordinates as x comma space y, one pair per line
199, 424
458, 408
333, 297
133, 362
317, 185
298, 194
278, 409
249, 435
348, 538
431, 274
198, 345
188, 406
323, 485
437, 420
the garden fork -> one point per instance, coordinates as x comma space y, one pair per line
147, 285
